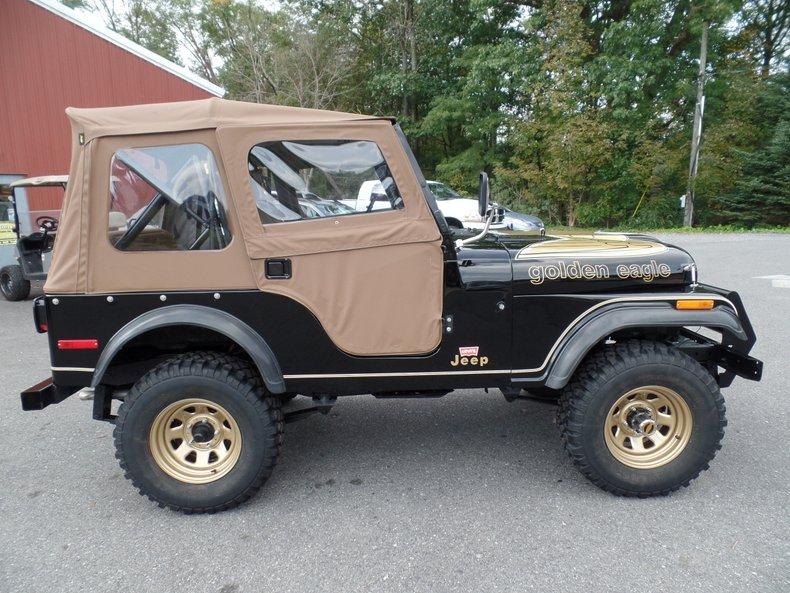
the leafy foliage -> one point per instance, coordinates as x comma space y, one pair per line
580, 109
762, 194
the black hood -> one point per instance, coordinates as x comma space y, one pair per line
590, 263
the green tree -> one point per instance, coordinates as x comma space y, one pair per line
580, 109
762, 191
766, 27
143, 21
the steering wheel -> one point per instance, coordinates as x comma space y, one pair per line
47, 224
208, 213
195, 207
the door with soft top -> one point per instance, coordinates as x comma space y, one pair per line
370, 273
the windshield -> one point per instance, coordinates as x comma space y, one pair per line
442, 192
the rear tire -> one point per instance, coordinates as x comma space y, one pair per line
199, 433
13, 284
641, 419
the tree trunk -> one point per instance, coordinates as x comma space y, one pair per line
409, 59
768, 40
571, 213
696, 134
768, 54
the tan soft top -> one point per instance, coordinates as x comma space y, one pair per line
374, 281
194, 115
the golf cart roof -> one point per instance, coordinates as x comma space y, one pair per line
42, 181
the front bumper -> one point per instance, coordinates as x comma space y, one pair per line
732, 353
734, 363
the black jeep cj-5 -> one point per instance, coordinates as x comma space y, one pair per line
189, 284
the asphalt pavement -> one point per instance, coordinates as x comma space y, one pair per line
465, 493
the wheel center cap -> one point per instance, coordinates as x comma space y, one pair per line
647, 427
641, 421
202, 432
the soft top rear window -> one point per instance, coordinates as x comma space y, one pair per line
166, 198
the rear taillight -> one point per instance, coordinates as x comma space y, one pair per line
40, 315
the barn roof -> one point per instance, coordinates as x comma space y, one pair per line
138, 50
194, 115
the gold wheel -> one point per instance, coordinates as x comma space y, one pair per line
195, 441
648, 427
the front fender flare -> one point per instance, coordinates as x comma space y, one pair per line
196, 315
619, 317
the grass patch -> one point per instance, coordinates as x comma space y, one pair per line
565, 230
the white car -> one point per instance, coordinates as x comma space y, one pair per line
462, 212
371, 196
459, 212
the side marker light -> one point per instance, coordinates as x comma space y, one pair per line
694, 304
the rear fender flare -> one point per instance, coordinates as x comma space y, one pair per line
196, 315
619, 317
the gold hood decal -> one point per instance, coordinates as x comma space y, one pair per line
598, 245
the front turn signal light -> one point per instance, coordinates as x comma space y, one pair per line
694, 304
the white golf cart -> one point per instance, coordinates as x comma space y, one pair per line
31, 245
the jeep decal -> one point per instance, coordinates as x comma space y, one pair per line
469, 356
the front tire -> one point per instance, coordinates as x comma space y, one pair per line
641, 419
199, 433
13, 284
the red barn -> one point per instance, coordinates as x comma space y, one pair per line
51, 59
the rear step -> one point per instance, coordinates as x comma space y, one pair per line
43, 394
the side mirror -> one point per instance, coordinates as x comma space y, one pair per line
483, 197
483, 194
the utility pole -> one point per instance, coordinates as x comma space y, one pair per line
699, 109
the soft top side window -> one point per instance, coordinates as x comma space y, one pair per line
296, 180
167, 198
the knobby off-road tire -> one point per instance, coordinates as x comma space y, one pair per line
223, 400
612, 391
13, 284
